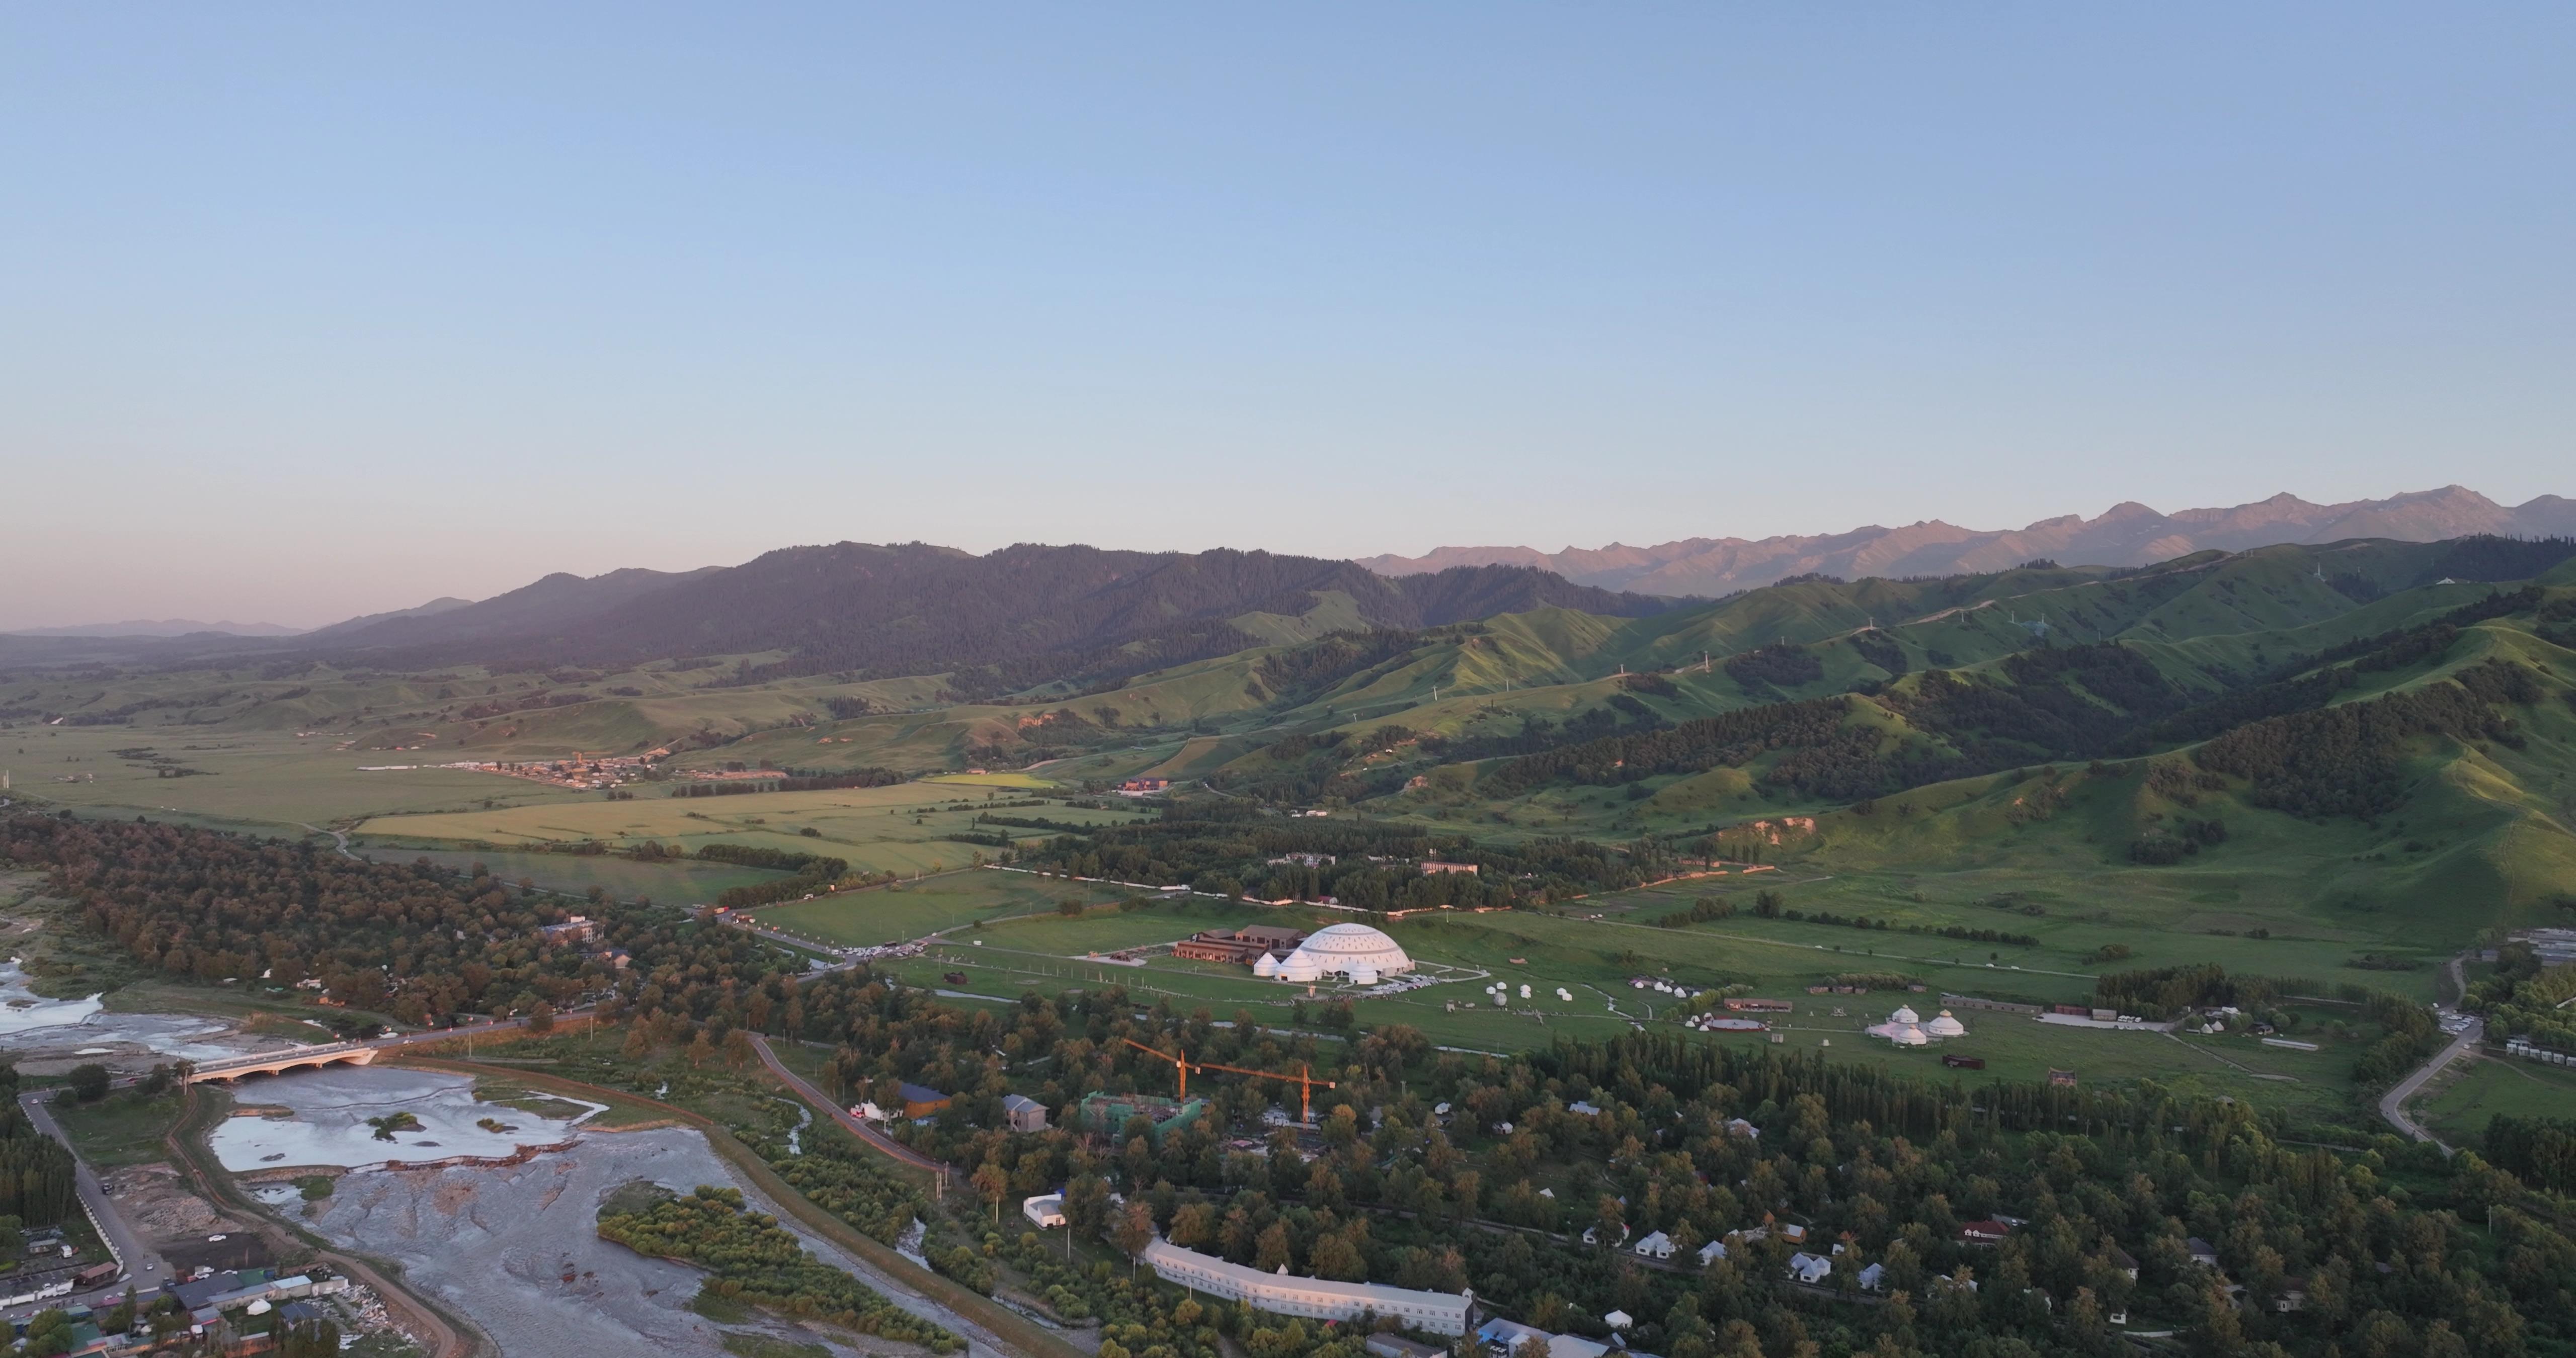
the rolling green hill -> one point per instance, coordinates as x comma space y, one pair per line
1896, 711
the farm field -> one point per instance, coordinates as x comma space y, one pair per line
269, 782
912, 909
669, 881
900, 829
2458, 1109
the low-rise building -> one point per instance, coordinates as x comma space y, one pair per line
922, 1101
1655, 1246
1432, 867
1241, 947
1315, 1298
1811, 1269
1023, 1114
1046, 1210
577, 929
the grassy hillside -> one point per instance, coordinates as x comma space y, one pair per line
1959, 710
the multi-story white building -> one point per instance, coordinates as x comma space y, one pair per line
1320, 1298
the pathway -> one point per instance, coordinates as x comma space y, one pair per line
855, 1126
2471, 1030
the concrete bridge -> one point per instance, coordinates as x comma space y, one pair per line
279, 1062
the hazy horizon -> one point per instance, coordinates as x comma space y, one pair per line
334, 312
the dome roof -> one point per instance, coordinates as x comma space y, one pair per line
1350, 948
1265, 965
1908, 1035
1945, 1026
1904, 1015
1300, 967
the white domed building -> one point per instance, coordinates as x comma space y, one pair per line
1945, 1026
1363, 954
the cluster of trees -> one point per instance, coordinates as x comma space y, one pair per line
1880, 649
1225, 847
1701, 911
816, 780
2524, 999
2345, 760
415, 940
1726, 741
2105, 1179
757, 1263
2540, 1151
851, 1183
36, 1183
1779, 665
2163, 847
1328, 661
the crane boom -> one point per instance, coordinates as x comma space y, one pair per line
1304, 1079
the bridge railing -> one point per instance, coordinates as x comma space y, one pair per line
269, 1058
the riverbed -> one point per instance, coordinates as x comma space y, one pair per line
35, 1028
327, 1114
515, 1247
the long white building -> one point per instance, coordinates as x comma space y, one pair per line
1320, 1298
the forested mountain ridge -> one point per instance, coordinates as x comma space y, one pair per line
1027, 613
2128, 534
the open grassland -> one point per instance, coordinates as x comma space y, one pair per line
269, 782
1008, 780
1014, 951
910, 910
2458, 1109
901, 829
665, 880
125, 1128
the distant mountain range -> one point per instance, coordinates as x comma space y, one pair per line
1008, 619
172, 627
2128, 534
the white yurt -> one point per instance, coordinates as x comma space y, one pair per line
1945, 1026
1300, 969
1265, 966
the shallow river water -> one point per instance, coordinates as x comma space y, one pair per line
516, 1247
30, 1023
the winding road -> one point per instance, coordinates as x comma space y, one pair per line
2392, 1105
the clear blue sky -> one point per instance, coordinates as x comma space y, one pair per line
315, 309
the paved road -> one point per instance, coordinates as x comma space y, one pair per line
143, 1265
855, 1126
2392, 1105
